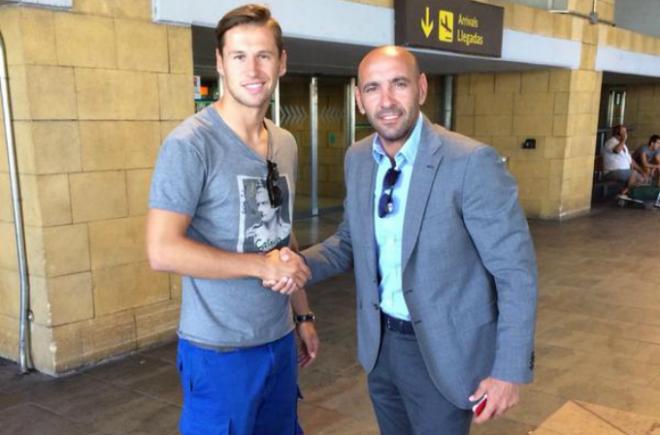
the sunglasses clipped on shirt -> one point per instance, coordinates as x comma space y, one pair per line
274, 191
386, 202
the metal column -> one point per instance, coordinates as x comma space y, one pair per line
447, 101
349, 113
25, 359
314, 144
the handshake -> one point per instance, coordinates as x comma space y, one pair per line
284, 271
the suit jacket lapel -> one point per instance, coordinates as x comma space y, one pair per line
426, 166
366, 202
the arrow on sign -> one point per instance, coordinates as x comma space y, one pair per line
427, 24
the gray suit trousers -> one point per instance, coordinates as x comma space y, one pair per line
405, 399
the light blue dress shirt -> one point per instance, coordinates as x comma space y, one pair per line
389, 229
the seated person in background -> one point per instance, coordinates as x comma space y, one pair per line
648, 158
618, 165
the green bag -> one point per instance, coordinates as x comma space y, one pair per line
645, 193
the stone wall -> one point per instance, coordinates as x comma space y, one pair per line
95, 90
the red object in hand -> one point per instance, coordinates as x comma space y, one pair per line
478, 407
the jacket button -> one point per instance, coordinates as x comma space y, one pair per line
376, 307
409, 291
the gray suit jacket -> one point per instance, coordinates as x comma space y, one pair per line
468, 264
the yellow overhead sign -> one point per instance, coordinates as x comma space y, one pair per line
454, 25
446, 29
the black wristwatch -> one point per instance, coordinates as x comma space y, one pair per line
307, 317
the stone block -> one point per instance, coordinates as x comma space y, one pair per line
649, 45
166, 128
38, 36
138, 183
176, 96
577, 29
562, 26
54, 148
588, 57
624, 39
127, 286
179, 43
109, 145
61, 300
98, 195
555, 147
582, 123
534, 103
464, 105
46, 199
543, 23
462, 84
6, 211
65, 249
606, 11
560, 125
589, 33
560, 80
584, 102
482, 83
507, 83
562, 103
117, 95
51, 92
85, 41
464, 125
9, 337
139, 9
117, 242
505, 145
493, 104
493, 125
637, 42
9, 292
532, 125
522, 18
8, 259
91, 341
156, 323
535, 81
18, 89
141, 46
11, 33
24, 148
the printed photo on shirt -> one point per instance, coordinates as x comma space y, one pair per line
262, 227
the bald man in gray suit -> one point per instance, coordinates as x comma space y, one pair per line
444, 263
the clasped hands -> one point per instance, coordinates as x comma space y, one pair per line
285, 271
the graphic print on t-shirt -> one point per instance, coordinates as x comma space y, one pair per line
262, 227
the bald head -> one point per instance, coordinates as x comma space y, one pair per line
391, 52
390, 92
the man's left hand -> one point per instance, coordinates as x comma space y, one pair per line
502, 395
309, 343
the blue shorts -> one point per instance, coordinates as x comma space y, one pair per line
249, 391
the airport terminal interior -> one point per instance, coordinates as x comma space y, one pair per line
95, 86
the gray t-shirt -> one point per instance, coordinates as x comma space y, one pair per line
206, 171
650, 154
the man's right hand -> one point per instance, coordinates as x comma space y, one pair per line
285, 271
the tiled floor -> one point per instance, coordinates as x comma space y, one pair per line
598, 351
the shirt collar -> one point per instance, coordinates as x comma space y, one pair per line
408, 151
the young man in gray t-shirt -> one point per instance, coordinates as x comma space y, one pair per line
221, 207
